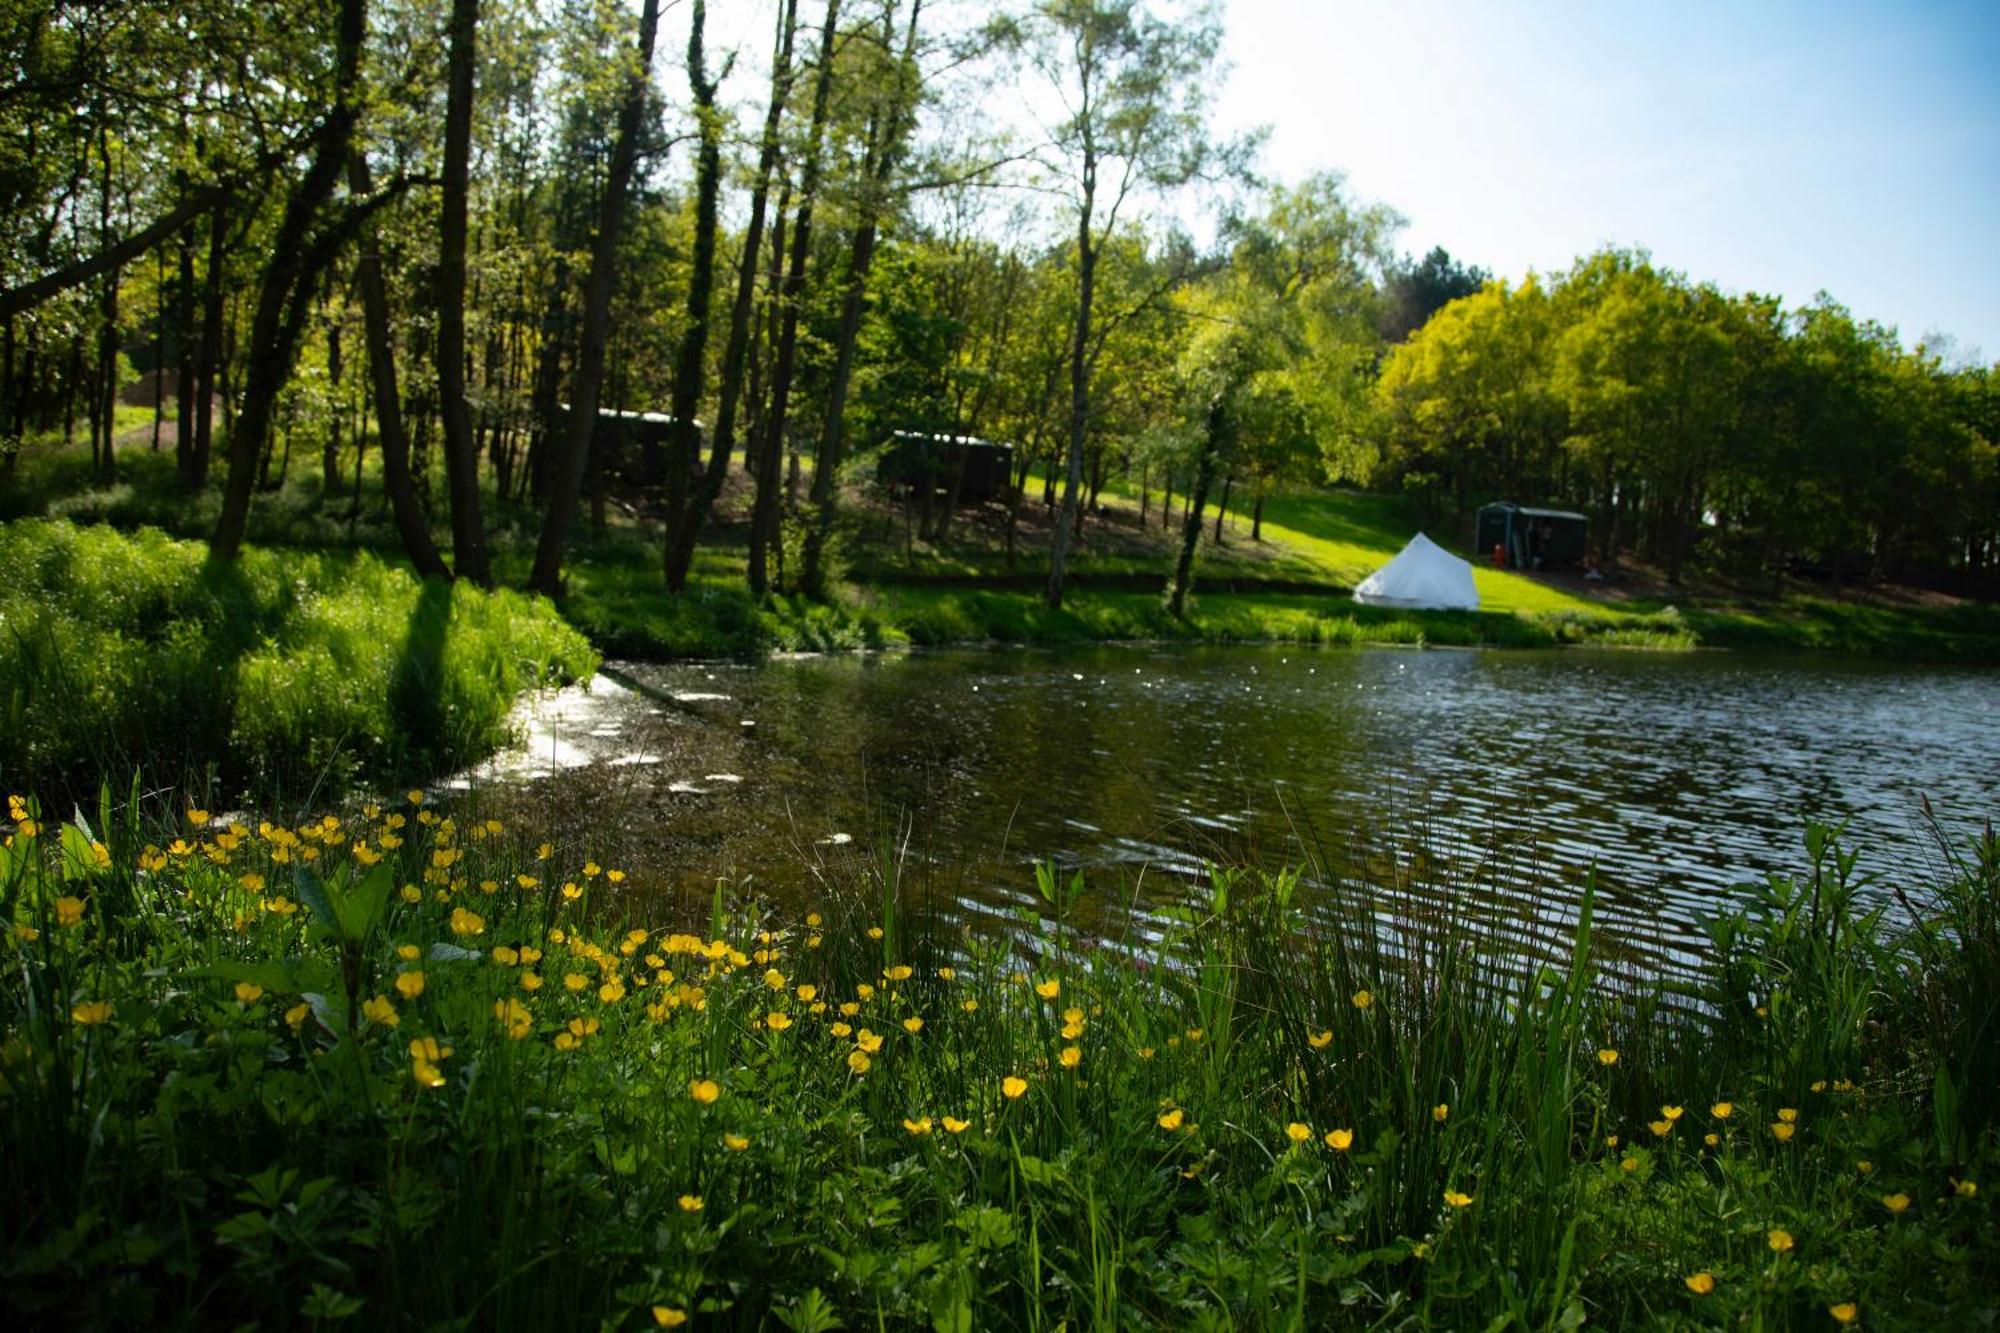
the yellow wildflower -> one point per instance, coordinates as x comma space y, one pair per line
1297, 1132
410, 984
1457, 1200
900, 972
90, 1013
295, 1016
690, 1203
1965, 1189
249, 992
922, 1126
69, 911
1722, 1110
913, 1024
1782, 1131
1780, 1239
1896, 1203
1671, 1113
807, 992
1171, 1120
380, 1010
776, 1021
868, 1041
1070, 1057
704, 1090
1844, 1313
1049, 989
1660, 1128
1607, 1056
464, 922
1319, 1041
1440, 1112
1340, 1140
858, 1061
1700, 1283
666, 1316
514, 1016
1788, 1114
956, 1126
1362, 999
735, 1142
1013, 1087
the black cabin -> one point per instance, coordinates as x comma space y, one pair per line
1531, 538
913, 460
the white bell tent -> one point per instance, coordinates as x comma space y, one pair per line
1423, 576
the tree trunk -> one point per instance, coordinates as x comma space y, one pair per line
286, 287
208, 359
461, 459
546, 576
1079, 385
1222, 509
1257, 518
680, 556
187, 336
329, 458
1204, 476
409, 515
763, 522
692, 355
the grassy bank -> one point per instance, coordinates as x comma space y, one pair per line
384, 1070
286, 671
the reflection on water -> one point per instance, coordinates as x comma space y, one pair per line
1508, 774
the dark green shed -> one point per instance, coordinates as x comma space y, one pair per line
1531, 538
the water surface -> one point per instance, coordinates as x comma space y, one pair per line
1505, 775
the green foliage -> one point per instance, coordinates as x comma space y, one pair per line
244, 1062
281, 672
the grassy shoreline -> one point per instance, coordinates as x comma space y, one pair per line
403, 1067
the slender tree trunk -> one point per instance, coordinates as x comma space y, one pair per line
209, 358
286, 287
1257, 518
461, 461
1222, 510
188, 339
1204, 476
1079, 385
763, 522
692, 355
546, 576
680, 556
409, 515
105, 407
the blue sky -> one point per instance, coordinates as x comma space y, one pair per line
1780, 148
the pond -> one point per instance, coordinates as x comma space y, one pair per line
1500, 777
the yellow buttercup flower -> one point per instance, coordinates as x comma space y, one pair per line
295, 1016
409, 984
1782, 1130
1780, 1239
956, 1126
1362, 999
900, 972
464, 922
1660, 1128
1670, 1113
868, 1041
666, 1316
1896, 1203
249, 992
1606, 1056
380, 1010
1844, 1313
1013, 1087
1722, 1110
1440, 1112
859, 1062
90, 1013
735, 1142
1070, 1057
841, 1030
1457, 1200
777, 1021
1049, 989
1629, 1165
1700, 1283
1788, 1114
1171, 1120
1965, 1189
913, 1024
1711, 1139
1319, 1041
704, 1090
1340, 1140
690, 1203
69, 911
807, 993
922, 1126
1297, 1132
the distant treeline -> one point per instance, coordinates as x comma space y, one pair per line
1696, 425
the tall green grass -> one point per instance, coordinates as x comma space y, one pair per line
286, 671
265, 1078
